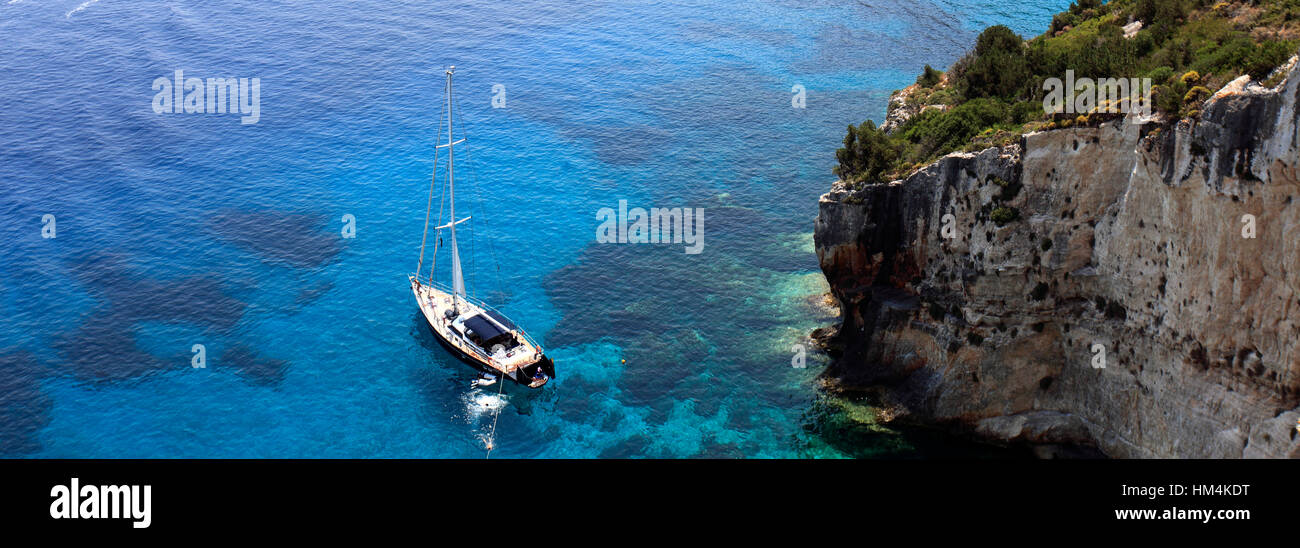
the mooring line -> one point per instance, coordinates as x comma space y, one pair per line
492, 438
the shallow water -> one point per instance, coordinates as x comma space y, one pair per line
182, 229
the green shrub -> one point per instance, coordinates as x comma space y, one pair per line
929, 78
997, 68
936, 132
1144, 43
1095, 49
1169, 97
1062, 20
868, 153
1162, 16
1267, 57
1150, 11
1196, 95
1213, 57
1084, 5
1009, 189
1160, 75
1278, 13
1003, 215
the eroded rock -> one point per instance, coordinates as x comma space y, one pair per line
1129, 238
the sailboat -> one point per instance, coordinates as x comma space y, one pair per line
469, 328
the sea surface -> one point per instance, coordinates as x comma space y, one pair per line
176, 230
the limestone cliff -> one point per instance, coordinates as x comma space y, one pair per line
1128, 243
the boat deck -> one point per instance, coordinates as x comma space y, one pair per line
434, 304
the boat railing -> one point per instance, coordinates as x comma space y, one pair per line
479, 303
484, 355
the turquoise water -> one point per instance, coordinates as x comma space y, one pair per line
183, 229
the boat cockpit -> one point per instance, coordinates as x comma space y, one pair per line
487, 333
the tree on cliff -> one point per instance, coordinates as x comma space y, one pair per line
868, 153
997, 68
1163, 16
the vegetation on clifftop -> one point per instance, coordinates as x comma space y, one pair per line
995, 93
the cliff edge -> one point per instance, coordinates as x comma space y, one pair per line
1133, 287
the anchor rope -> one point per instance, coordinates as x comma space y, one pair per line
492, 437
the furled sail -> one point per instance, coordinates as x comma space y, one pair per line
457, 279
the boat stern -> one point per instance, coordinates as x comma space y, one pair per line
540, 372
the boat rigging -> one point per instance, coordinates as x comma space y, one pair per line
468, 328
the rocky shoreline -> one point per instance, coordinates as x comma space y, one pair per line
1133, 237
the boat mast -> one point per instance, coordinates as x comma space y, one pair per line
457, 279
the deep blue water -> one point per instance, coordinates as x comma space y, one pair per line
183, 229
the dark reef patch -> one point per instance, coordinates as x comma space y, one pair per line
195, 300
622, 290
632, 447
623, 145
308, 294
258, 369
297, 239
24, 409
104, 347
715, 450
659, 363
103, 350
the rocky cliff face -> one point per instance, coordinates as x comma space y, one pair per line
1128, 244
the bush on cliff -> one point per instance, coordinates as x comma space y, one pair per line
996, 91
1094, 48
868, 153
1003, 215
933, 131
1162, 16
996, 68
1262, 61
929, 77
